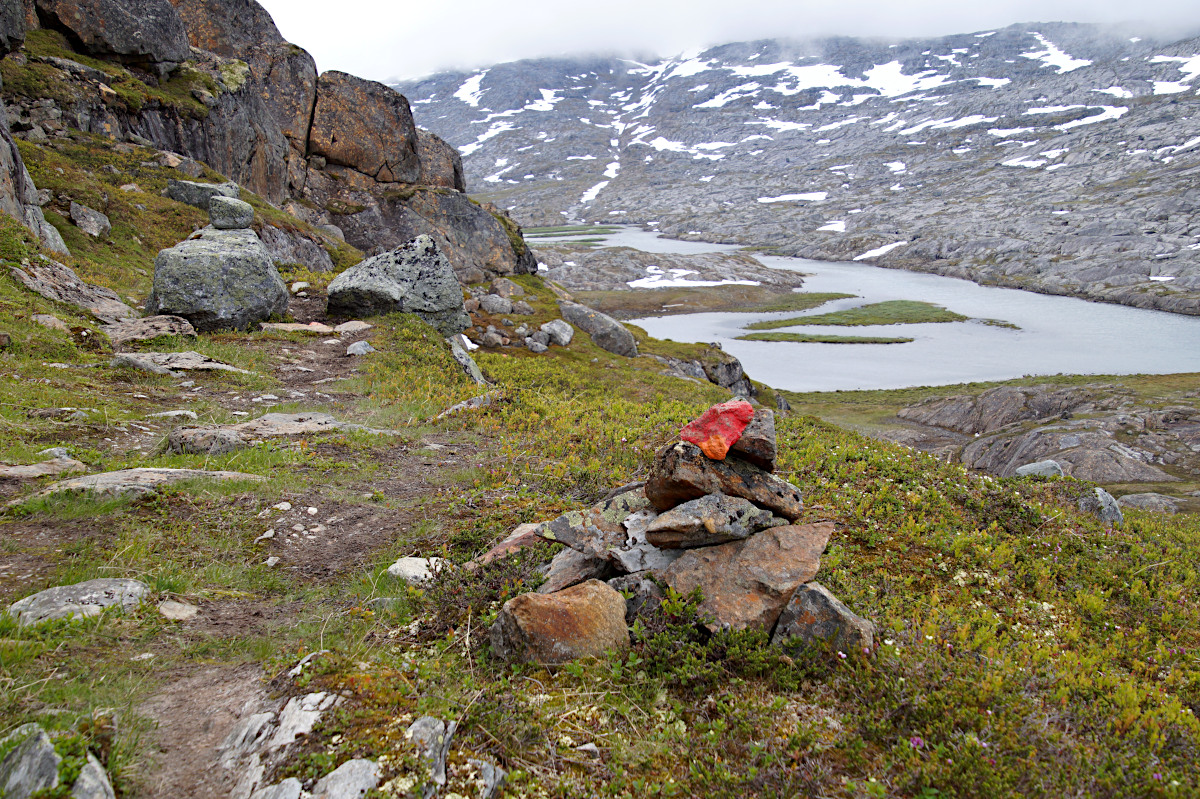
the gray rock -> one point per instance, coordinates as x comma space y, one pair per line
598, 532
219, 280
143, 32
506, 288
637, 554
229, 213
199, 194
188, 361
57, 282
815, 615
536, 347
644, 595
415, 571
711, 519
92, 782
543, 338
12, 28
489, 778
220, 440
90, 221
31, 767
299, 716
569, 568
432, 738
414, 278
466, 361
495, 304
350, 780
558, 332
757, 442
47, 468
522, 308
295, 247
491, 340
177, 611
682, 472
1040, 469
288, 789
1101, 504
1151, 501
360, 348
147, 329
607, 333
205, 441
130, 482
82, 599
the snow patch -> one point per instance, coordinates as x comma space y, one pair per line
593, 192
471, 91
657, 278
812, 196
836, 226
878, 251
1052, 56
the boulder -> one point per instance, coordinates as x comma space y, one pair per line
1101, 504
31, 767
1040, 469
287, 789
716, 430
441, 164
293, 247
219, 280
488, 779
506, 288
757, 442
525, 535
681, 472
199, 194
90, 221
585, 620
711, 519
12, 27
229, 213
607, 333
414, 278
205, 441
365, 126
130, 482
465, 360
350, 780
141, 32
495, 304
147, 329
747, 583
229, 28
360, 348
560, 332
1159, 503
81, 599
815, 615
569, 568
59, 283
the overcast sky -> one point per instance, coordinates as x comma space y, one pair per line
383, 39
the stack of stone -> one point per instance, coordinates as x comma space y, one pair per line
712, 515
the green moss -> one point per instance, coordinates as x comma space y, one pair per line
234, 74
892, 312
343, 208
815, 338
512, 230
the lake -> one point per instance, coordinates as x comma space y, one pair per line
1057, 335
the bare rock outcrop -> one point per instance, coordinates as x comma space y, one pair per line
366, 126
140, 32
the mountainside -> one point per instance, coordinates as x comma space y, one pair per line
1057, 157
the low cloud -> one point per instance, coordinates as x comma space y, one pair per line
383, 40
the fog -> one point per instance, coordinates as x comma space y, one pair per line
385, 40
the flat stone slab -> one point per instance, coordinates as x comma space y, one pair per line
54, 466
82, 599
221, 439
58, 282
130, 482
177, 361
315, 328
147, 329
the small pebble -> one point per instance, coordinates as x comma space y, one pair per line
271, 561
312, 511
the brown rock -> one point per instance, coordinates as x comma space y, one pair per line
441, 164
525, 535
147, 329
585, 620
5, 341
366, 126
570, 568
815, 615
712, 519
681, 472
757, 442
748, 583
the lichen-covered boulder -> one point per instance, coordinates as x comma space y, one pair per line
814, 615
227, 213
414, 278
220, 280
199, 194
366, 126
607, 333
82, 599
681, 472
133, 31
228, 28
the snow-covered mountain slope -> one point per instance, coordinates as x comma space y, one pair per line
1059, 157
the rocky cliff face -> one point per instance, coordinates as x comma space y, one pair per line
214, 80
1061, 158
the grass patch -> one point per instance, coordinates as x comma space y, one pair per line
816, 338
672, 300
892, 312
